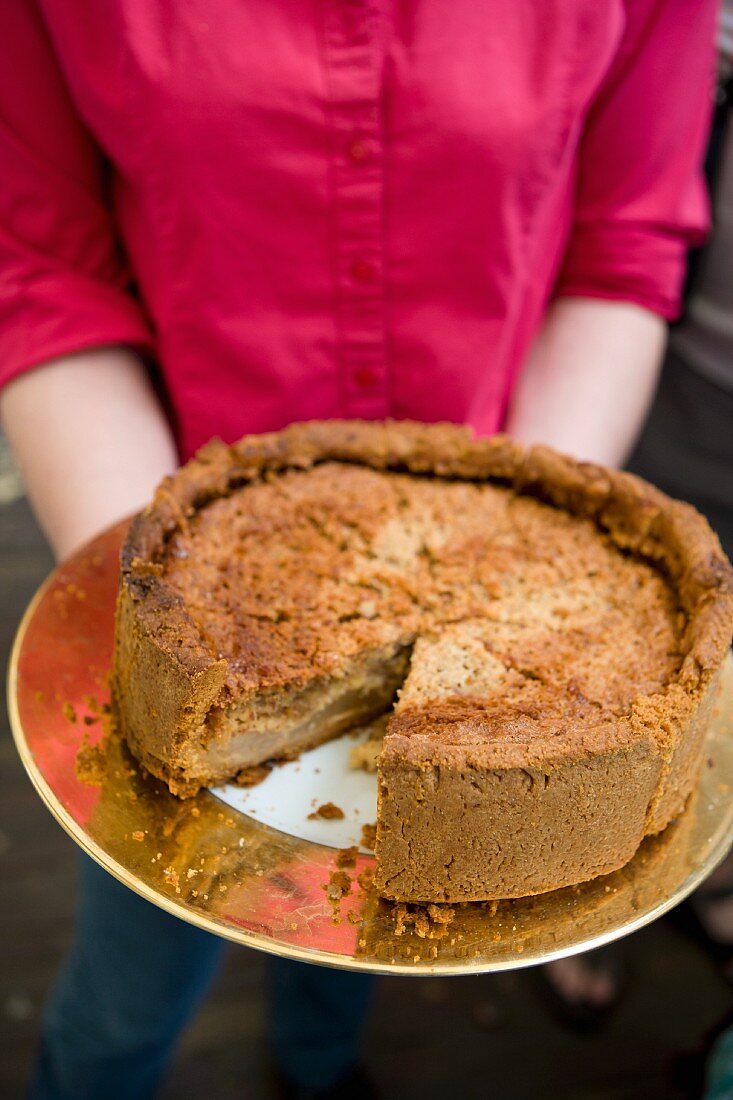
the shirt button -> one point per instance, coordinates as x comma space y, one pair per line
360, 152
362, 271
365, 378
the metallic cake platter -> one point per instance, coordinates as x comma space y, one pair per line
254, 867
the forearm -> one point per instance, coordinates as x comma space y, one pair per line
91, 440
589, 379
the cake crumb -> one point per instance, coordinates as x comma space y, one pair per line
364, 756
329, 811
365, 879
338, 885
170, 874
91, 762
428, 922
69, 712
346, 857
251, 777
441, 914
138, 835
369, 836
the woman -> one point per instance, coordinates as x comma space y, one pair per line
219, 218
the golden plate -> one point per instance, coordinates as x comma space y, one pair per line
241, 879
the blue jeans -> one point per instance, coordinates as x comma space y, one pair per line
134, 977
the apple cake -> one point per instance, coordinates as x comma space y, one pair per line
544, 635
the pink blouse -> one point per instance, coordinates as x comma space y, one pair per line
340, 207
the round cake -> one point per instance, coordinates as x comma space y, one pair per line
544, 636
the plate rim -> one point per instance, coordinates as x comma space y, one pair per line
257, 941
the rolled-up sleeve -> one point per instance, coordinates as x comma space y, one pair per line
641, 200
64, 285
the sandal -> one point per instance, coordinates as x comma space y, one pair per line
585, 1016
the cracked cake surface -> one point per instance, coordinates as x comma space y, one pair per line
545, 636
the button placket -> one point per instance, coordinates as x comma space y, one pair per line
352, 52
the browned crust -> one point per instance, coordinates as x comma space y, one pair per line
163, 682
637, 516
177, 680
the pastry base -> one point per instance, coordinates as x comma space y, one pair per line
263, 888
